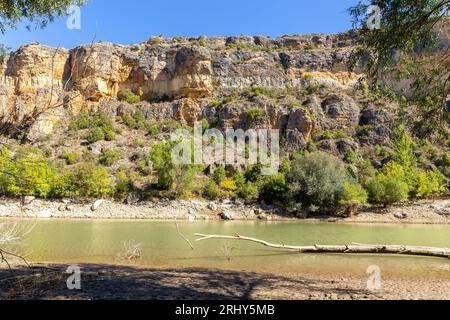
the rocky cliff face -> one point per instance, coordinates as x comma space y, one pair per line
179, 77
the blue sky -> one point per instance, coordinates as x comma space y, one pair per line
133, 21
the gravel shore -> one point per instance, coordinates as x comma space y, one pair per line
420, 212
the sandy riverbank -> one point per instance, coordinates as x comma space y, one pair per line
425, 212
100, 282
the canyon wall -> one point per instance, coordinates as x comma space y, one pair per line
40, 85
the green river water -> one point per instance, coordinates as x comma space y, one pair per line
100, 241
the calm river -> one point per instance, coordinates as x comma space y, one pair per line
100, 241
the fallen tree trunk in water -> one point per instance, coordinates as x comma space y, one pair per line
354, 248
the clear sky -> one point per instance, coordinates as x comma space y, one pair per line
132, 21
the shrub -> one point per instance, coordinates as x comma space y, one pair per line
363, 131
390, 186
257, 91
198, 43
211, 191
128, 96
253, 173
219, 175
71, 157
163, 166
443, 161
273, 188
316, 182
62, 186
255, 115
141, 122
109, 134
177, 178
95, 134
239, 179
28, 172
249, 192
124, 185
326, 135
205, 125
111, 156
81, 121
87, 121
365, 170
364, 87
153, 130
46, 150
310, 46
129, 121
354, 194
218, 103
382, 151
430, 184
100, 126
88, 180
229, 185
311, 146
350, 156
136, 121
184, 179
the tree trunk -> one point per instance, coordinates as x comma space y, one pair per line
353, 248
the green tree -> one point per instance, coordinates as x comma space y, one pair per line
37, 12
316, 182
403, 46
28, 172
249, 192
354, 194
88, 180
430, 184
404, 154
163, 166
273, 188
389, 186
177, 178
212, 191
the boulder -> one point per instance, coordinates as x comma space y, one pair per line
27, 200
133, 198
212, 206
341, 110
401, 215
379, 123
96, 205
299, 128
226, 215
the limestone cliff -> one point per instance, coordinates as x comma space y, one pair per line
39, 85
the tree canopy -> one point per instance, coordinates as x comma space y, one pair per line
38, 12
405, 44
405, 25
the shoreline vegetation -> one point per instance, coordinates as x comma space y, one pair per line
418, 212
309, 184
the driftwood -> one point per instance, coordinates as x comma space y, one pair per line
353, 248
182, 235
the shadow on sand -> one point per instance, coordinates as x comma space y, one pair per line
106, 282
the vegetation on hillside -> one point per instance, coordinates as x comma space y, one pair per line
308, 181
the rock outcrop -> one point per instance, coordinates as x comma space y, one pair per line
39, 85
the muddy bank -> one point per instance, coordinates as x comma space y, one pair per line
105, 282
423, 212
